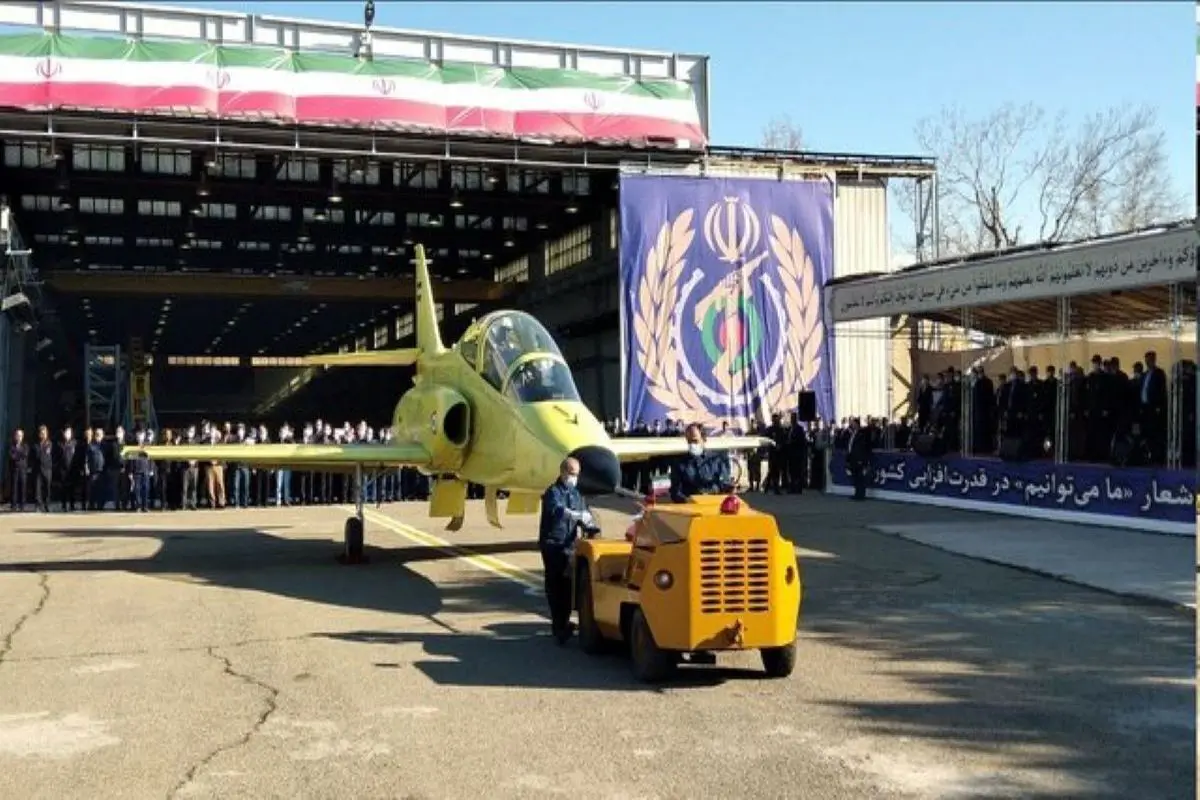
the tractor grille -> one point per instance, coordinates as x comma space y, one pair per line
734, 576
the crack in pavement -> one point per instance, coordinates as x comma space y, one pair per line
149, 651
6, 643
269, 707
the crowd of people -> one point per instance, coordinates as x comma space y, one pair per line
90, 472
1112, 417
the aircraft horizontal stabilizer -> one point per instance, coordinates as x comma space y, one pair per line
330, 457
640, 449
403, 357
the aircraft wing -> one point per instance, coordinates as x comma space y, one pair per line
639, 449
327, 457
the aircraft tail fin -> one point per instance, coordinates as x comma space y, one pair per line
403, 357
429, 340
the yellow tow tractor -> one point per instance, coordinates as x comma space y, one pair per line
690, 580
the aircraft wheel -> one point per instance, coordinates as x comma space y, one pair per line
591, 641
352, 534
651, 664
779, 662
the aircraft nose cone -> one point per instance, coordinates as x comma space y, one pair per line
599, 470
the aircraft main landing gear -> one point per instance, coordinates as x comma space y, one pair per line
354, 551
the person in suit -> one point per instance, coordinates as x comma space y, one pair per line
777, 455
699, 472
43, 472
797, 455
858, 458
983, 399
68, 466
18, 471
1152, 408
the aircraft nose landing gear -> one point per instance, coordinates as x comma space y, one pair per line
354, 551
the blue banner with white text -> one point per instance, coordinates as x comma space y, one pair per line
1159, 494
721, 304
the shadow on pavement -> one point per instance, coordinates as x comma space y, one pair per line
523, 655
304, 569
998, 659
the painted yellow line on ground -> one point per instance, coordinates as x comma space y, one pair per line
496, 566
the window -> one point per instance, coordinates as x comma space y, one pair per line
514, 272
306, 170
203, 361
381, 336
159, 208
276, 361
237, 166
162, 161
360, 344
541, 380
418, 176
98, 158
571, 250
404, 326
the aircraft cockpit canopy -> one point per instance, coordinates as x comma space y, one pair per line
540, 379
520, 355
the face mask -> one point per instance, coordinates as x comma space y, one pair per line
695, 449
571, 481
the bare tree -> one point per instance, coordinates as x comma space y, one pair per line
1016, 176
782, 134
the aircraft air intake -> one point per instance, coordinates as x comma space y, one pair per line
439, 419
599, 469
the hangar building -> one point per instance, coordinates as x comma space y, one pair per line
186, 216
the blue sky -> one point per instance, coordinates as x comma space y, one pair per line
857, 77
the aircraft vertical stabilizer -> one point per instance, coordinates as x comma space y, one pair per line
429, 339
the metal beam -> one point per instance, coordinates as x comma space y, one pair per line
401, 199
295, 287
152, 227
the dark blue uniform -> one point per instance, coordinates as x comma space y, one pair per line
142, 469
562, 508
707, 473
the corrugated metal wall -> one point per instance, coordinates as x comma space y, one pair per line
862, 362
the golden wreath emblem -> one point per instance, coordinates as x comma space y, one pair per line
657, 299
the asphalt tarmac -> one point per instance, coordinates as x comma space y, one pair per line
226, 654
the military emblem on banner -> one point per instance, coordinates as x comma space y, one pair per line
732, 327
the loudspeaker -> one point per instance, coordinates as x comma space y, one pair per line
929, 445
806, 405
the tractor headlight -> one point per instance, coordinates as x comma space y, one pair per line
663, 580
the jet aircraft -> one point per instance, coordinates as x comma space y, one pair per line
499, 409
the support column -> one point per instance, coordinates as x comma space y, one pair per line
1175, 432
1062, 400
966, 408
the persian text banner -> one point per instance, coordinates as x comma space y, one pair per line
721, 297
1160, 494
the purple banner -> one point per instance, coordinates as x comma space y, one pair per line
1159, 494
721, 311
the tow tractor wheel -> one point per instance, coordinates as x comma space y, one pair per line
779, 662
591, 641
651, 664
352, 533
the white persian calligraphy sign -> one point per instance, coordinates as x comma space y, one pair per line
1130, 262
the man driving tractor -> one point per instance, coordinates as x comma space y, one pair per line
699, 472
